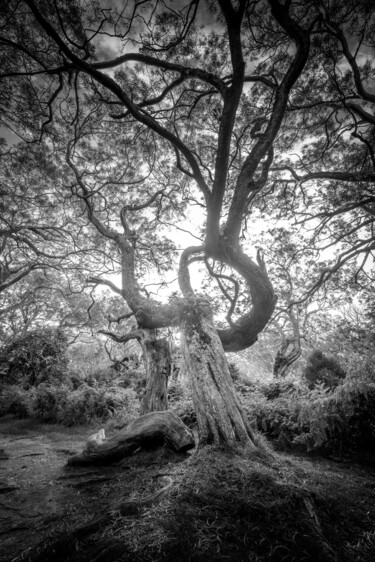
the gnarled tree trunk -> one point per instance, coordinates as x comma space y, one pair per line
221, 419
157, 358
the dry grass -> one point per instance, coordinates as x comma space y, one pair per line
225, 507
221, 507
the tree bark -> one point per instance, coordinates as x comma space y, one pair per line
221, 419
148, 431
157, 358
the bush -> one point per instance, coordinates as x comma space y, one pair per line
100, 377
321, 369
62, 405
17, 401
277, 388
37, 357
134, 379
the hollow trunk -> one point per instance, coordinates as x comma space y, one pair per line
157, 358
221, 419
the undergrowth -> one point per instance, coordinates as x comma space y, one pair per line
338, 422
62, 405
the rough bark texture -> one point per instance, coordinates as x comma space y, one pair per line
158, 363
148, 431
220, 417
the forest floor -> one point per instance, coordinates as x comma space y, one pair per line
211, 506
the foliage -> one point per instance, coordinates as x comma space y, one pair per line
38, 356
17, 401
321, 369
338, 422
134, 379
62, 405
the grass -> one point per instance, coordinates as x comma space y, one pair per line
225, 507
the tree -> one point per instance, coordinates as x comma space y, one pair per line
220, 103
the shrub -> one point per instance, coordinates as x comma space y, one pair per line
134, 379
277, 388
62, 405
38, 356
336, 422
17, 401
100, 376
321, 369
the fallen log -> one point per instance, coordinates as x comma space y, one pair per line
146, 432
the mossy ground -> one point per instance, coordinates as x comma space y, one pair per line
221, 506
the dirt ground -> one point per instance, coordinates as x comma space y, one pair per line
41, 497
217, 507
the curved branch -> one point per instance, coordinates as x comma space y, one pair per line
362, 113
98, 281
152, 101
263, 300
146, 204
132, 335
183, 273
328, 175
335, 29
185, 71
